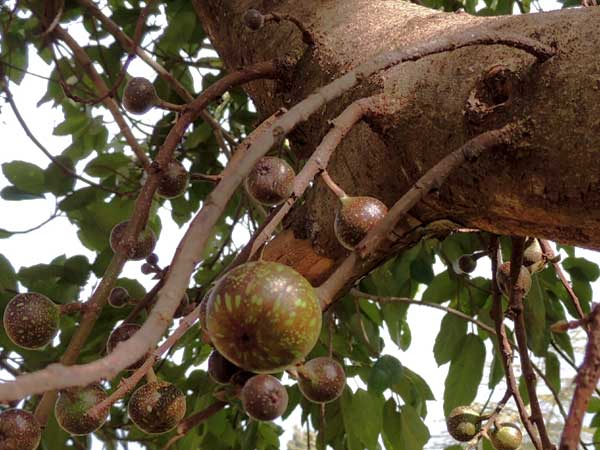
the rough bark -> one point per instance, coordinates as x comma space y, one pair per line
549, 188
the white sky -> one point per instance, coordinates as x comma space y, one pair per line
59, 236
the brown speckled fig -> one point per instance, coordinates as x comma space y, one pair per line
465, 264
174, 180
136, 251
72, 406
507, 436
31, 320
503, 279
120, 334
533, 256
139, 95
156, 407
118, 297
264, 397
263, 316
19, 430
271, 181
321, 380
220, 369
463, 423
355, 217
253, 19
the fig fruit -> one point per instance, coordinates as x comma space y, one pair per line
139, 95
31, 320
220, 369
264, 397
465, 264
136, 251
271, 181
463, 423
120, 334
19, 430
506, 436
156, 407
263, 316
321, 380
72, 406
503, 279
253, 19
533, 257
118, 297
355, 217
174, 180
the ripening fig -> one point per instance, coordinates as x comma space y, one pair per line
503, 279
465, 264
136, 251
139, 95
264, 397
533, 257
271, 181
118, 297
463, 423
253, 19
506, 436
31, 320
321, 380
174, 180
120, 334
72, 406
220, 369
355, 217
19, 430
156, 407
263, 316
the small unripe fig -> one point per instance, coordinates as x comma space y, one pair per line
354, 219
463, 423
120, 334
139, 95
19, 430
136, 251
174, 180
507, 436
182, 308
264, 397
533, 257
503, 279
271, 181
321, 380
118, 297
72, 406
31, 320
156, 407
152, 259
254, 20
147, 269
220, 369
465, 264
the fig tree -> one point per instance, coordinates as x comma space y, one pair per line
31, 320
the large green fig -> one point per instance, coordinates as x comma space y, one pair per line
263, 316
506, 436
463, 423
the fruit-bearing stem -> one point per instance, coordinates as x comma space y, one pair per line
338, 191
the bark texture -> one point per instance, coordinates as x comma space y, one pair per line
549, 188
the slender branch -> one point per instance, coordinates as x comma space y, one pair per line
332, 185
505, 349
516, 305
307, 36
586, 380
490, 420
434, 177
191, 422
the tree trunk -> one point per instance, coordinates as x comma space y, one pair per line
549, 187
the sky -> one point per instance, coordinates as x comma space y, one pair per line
59, 236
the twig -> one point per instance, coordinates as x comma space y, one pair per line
483, 432
516, 305
307, 36
586, 380
189, 423
434, 177
332, 185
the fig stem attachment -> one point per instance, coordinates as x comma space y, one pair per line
332, 185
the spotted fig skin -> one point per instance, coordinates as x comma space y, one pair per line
19, 430
503, 279
134, 251
507, 436
263, 317
220, 369
120, 334
271, 181
157, 407
264, 397
118, 297
321, 380
139, 95
354, 219
463, 423
31, 320
72, 406
174, 180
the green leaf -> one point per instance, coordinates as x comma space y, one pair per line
449, 340
385, 373
553, 370
363, 416
534, 310
8, 277
58, 180
414, 390
106, 165
78, 199
441, 289
404, 430
13, 193
581, 268
25, 176
465, 373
